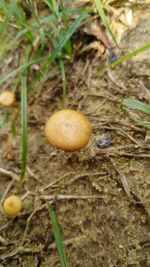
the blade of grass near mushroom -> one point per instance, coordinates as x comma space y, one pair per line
57, 235
24, 116
138, 105
63, 41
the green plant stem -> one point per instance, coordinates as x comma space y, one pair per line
24, 116
57, 235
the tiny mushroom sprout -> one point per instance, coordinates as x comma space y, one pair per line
12, 205
7, 99
68, 130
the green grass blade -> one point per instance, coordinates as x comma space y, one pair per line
24, 66
47, 2
3, 5
4, 118
50, 58
101, 12
19, 14
68, 35
130, 55
53, 6
23, 124
59, 47
68, 12
24, 127
143, 123
136, 104
16, 38
123, 58
7, 18
43, 39
24, 117
65, 20
57, 235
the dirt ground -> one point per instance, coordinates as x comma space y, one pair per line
101, 195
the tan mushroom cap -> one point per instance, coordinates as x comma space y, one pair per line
7, 98
68, 130
12, 205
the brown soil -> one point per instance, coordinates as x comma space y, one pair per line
111, 226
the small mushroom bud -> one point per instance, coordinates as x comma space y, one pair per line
68, 130
12, 205
7, 98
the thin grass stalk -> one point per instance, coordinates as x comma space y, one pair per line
57, 235
24, 117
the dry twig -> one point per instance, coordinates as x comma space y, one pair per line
55, 181
9, 173
69, 197
123, 180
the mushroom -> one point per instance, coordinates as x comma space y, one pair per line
68, 130
12, 205
7, 98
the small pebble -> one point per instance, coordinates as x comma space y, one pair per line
112, 57
104, 141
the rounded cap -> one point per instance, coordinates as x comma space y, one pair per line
7, 98
12, 205
68, 130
